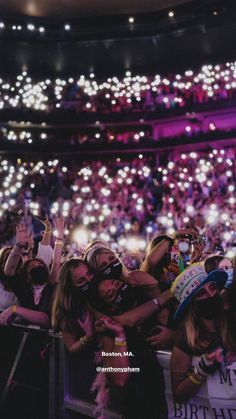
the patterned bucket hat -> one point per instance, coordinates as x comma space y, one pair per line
190, 281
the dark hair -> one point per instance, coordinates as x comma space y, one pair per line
213, 262
4, 253
157, 239
24, 271
95, 299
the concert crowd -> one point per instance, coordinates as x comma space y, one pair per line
126, 257
132, 93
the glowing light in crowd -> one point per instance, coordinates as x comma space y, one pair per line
96, 208
171, 13
30, 27
35, 94
81, 236
231, 253
134, 244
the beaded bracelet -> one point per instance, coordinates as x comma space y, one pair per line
194, 380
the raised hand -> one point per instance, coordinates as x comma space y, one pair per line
187, 231
22, 235
208, 362
216, 355
59, 224
87, 324
45, 221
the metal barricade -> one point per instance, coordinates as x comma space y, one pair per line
40, 379
76, 374
24, 361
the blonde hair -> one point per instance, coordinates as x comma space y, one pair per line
62, 313
193, 327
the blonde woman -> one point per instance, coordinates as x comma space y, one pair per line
70, 313
201, 331
106, 265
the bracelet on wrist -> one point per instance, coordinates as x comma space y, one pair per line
195, 380
198, 376
201, 373
120, 341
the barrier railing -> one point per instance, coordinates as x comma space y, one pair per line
215, 399
39, 379
63, 388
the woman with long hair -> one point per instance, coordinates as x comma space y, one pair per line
122, 295
70, 313
35, 286
202, 331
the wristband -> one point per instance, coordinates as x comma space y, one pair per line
194, 380
14, 309
120, 341
205, 367
201, 373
